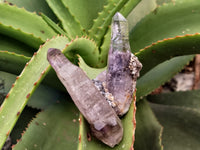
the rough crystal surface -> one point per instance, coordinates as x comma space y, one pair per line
123, 66
104, 122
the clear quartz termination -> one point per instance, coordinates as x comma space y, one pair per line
123, 66
120, 34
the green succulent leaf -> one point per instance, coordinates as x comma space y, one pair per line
181, 126
148, 130
177, 18
140, 11
160, 74
161, 2
128, 7
92, 73
37, 6
24, 87
58, 123
12, 62
100, 26
6, 81
48, 95
11, 45
56, 28
86, 48
104, 48
25, 118
23, 25
85, 11
179, 113
189, 99
69, 22
166, 49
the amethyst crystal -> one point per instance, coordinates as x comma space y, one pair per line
104, 122
123, 66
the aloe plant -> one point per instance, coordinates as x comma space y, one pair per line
164, 35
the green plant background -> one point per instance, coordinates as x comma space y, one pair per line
36, 110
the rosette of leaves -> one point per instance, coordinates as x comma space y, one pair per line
164, 35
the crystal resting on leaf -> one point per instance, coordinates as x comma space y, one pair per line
104, 122
123, 68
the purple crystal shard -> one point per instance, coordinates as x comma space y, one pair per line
104, 122
123, 66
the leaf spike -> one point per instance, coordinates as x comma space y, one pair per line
67, 45
28, 95
18, 113
7, 95
79, 138
80, 120
100, 28
7, 134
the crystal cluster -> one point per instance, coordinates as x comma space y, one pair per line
104, 122
108, 96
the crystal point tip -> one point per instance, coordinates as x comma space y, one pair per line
119, 17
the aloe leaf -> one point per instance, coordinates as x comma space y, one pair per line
69, 22
85, 10
24, 87
86, 48
176, 18
23, 25
59, 123
104, 48
11, 45
48, 95
181, 126
161, 2
128, 7
148, 130
56, 28
179, 113
140, 11
25, 118
6, 81
160, 74
92, 73
35, 6
166, 49
189, 99
12, 62
44, 97
104, 18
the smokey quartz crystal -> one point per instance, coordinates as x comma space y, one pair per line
108, 96
123, 68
